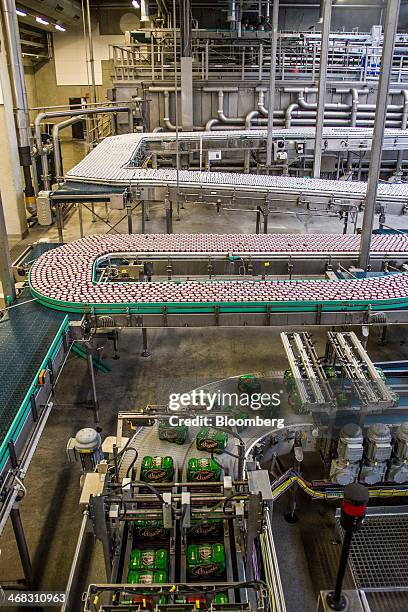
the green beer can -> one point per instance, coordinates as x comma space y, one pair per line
146, 577
205, 560
212, 528
157, 469
209, 439
203, 469
221, 598
150, 530
148, 559
173, 433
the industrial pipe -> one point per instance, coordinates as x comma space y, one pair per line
232, 14
354, 106
68, 113
210, 124
272, 80
220, 112
404, 121
288, 114
254, 115
313, 105
249, 118
57, 145
166, 118
301, 91
390, 30
15, 64
91, 51
261, 103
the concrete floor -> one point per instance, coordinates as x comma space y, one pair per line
181, 359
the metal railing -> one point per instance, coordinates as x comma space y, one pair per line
98, 128
244, 60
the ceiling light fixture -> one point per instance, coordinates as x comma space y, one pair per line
41, 20
136, 4
59, 27
21, 13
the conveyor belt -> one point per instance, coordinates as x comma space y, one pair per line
28, 339
65, 277
115, 162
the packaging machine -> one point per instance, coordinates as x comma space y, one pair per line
178, 540
312, 377
168, 522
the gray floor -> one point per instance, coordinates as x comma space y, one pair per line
181, 359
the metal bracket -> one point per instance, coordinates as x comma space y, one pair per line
268, 314
186, 509
318, 314
167, 514
217, 315
165, 313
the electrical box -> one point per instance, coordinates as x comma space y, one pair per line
279, 153
44, 212
376, 32
117, 201
214, 155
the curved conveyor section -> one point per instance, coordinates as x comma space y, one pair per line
115, 161
64, 278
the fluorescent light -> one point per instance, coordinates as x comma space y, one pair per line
59, 27
41, 20
21, 13
136, 4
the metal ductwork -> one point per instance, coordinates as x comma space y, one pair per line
232, 17
144, 12
64, 11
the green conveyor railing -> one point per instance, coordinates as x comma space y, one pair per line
222, 307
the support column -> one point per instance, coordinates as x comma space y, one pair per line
129, 219
94, 395
272, 78
145, 352
168, 205
321, 94
22, 547
390, 30
91, 52
186, 66
6, 275
11, 185
11, 34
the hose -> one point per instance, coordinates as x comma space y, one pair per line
132, 463
292, 477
